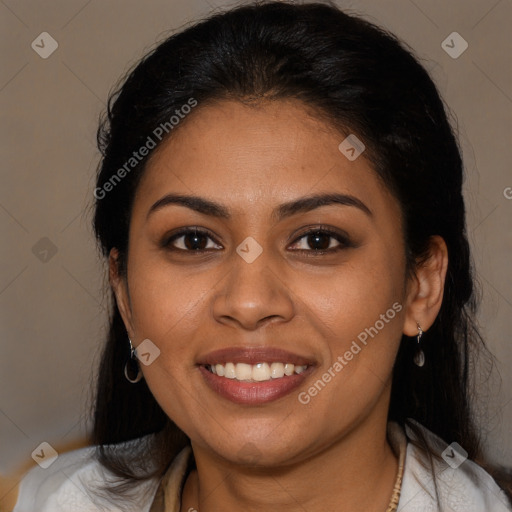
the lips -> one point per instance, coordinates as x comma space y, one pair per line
254, 356
253, 393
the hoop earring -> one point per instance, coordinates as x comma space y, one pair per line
419, 357
132, 370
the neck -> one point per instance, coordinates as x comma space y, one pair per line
356, 473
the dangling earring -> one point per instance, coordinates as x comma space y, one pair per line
132, 370
419, 357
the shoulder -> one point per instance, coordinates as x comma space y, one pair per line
71, 483
462, 485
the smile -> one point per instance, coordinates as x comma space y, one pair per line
259, 372
254, 375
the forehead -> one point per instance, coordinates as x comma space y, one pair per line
256, 156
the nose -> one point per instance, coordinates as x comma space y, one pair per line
252, 294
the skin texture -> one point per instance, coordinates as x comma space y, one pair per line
251, 159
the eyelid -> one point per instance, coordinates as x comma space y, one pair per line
176, 234
341, 236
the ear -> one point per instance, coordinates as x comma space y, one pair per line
425, 289
120, 287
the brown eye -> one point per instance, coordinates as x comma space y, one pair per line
190, 240
319, 241
322, 240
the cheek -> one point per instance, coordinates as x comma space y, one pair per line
359, 312
165, 307
165, 300
353, 296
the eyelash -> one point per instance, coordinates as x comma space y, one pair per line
344, 241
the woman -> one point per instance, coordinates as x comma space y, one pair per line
280, 201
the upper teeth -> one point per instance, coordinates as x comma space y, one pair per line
255, 372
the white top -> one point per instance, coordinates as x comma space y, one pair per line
65, 486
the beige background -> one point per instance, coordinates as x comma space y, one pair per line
52, 313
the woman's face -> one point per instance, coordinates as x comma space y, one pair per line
259, 286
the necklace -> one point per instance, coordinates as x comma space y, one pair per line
395, 497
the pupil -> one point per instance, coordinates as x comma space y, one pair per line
313, 240
195, 237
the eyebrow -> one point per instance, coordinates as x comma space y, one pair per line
301, 205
